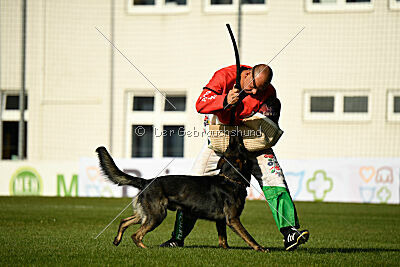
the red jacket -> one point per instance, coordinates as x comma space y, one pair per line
211, 100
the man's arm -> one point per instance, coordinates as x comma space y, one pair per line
209, 101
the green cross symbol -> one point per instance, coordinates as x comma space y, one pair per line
384, 194
319, 185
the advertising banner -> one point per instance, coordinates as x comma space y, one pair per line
331, 180
39, 178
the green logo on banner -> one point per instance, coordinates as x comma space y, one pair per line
319, 185
26, 181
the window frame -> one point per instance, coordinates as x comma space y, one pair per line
233, 8
390, 115
338, 113
339, 6
158, 8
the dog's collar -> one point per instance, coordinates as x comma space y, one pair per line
232, 180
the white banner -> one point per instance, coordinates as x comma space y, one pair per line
332, 180
93, 184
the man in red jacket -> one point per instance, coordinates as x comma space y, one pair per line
258, 97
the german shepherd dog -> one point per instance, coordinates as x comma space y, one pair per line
218, 198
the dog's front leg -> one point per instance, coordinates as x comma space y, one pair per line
222, 238
238, 228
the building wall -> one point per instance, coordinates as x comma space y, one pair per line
69, 71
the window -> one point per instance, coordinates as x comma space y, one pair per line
337, 105
148, 114
179, 103
143, 103
339, 5
142, 141
9, 124
173, 141
231, 6
157, 6
393, 105
394, 4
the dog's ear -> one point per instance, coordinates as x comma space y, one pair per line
220, 163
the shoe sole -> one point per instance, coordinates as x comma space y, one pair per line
303, 238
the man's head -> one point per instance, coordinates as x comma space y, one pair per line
256, 79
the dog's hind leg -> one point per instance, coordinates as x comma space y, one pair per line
222, 238
238, 228
149, 225
125, 223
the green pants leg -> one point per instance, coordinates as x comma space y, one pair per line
282, 206
183, 226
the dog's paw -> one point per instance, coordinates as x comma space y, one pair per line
261, 249
226, 246
116, 242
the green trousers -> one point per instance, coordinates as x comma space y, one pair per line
279, 201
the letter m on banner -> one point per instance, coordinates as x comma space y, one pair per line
73, 186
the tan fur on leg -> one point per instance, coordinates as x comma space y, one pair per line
125, 223
222, 238
238, 228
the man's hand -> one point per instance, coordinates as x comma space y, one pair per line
233, 96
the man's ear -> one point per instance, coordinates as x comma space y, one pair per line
221, 162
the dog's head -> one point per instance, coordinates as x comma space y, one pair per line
235, 162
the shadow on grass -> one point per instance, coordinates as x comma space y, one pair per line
347, 250
309, 250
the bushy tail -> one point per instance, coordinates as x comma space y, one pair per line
111, 171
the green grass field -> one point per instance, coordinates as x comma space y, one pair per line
61, 231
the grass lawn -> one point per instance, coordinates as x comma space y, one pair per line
61, 231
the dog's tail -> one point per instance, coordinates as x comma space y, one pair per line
115, 175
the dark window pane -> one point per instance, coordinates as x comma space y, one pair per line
10, 139
178, 101
143, 2
143, 103
221, 2
173, 141
12, 102
177, 2
322, 103
396, 103
142, 141
252, 1
355, 104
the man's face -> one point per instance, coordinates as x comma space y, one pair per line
249, 84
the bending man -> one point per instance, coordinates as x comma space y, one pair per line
258, 96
